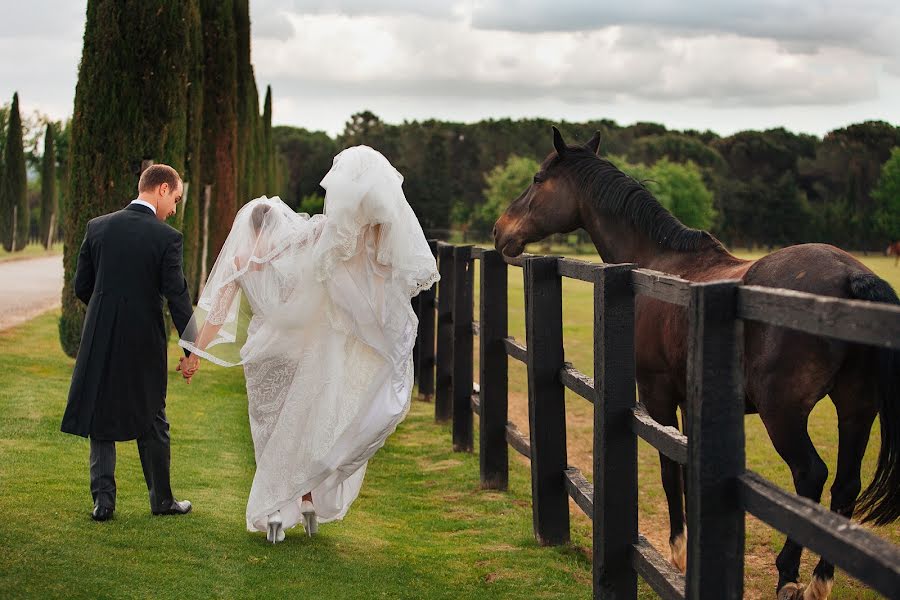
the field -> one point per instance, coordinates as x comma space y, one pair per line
421, 528
763, 543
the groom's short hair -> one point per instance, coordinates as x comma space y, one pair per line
156, 175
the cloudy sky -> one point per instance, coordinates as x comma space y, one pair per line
810, 65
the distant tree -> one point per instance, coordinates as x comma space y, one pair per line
313, 204
308, 156
504, 184
887, 199
16, 219
48, 188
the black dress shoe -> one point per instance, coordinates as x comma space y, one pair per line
178, 507
102, 513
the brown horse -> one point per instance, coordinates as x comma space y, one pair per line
785, 372
894, 249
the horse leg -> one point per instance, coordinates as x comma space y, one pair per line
853, 397
661, 406
789, 435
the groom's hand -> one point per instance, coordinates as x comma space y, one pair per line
188, 365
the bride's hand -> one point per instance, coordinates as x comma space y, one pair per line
188, 366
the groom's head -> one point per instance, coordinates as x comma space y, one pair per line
161, 186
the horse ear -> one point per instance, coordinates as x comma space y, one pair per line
593, 144
558, 142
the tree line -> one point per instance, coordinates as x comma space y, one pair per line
764, 188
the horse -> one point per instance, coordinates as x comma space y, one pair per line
893, 248
786, 372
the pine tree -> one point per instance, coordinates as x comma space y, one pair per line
219, 158
15, 183
130, 104
48, 188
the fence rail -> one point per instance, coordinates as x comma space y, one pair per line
720, 490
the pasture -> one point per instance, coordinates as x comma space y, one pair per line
763, 543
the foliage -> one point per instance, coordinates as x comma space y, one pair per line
48, 189
312, 204
130, 104
887, 198
220, 119
505, 183
14, 205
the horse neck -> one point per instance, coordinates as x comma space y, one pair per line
620, 242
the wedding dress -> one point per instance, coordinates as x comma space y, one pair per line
325, 332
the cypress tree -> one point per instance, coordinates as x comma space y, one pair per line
192, 176
268, 153
130, 104
247, 105
219, 159
48, 188
15, 194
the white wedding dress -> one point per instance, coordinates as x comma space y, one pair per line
325, 336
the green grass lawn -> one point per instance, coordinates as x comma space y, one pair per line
31, 251
763, 543
421, 527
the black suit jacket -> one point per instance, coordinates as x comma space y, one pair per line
129, 262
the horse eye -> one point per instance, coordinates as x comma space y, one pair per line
538, 178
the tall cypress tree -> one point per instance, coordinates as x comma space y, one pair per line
268, 144
15, 194
192, 176
219, 158
48, 188
130, 104
247, 105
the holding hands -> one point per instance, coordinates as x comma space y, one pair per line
188, 365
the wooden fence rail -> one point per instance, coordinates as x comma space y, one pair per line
720, 490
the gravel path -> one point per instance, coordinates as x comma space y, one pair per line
29, 288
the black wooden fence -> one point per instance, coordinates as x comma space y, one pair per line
720, 490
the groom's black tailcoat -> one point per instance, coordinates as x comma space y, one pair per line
128, 263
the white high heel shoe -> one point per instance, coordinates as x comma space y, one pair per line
310, 523
274, 531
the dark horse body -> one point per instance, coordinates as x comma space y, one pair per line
785, 372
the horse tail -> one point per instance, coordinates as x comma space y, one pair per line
880, 502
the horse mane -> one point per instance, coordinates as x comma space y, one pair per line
620, 195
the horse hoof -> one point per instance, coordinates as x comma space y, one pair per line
818, 589
791, 591
678, 549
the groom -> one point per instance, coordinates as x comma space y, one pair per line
129, 261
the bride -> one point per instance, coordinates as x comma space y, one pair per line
325, 336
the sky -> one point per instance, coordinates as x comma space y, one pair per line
809, 66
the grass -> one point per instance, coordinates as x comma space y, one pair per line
421, 527
31, 251
763, 543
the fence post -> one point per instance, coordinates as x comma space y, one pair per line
426, 337
715, 429
615, 444
493, 372
416, 303
204, 252
463, 438
546, 400
444, 353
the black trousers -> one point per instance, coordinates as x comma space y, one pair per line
153, 448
